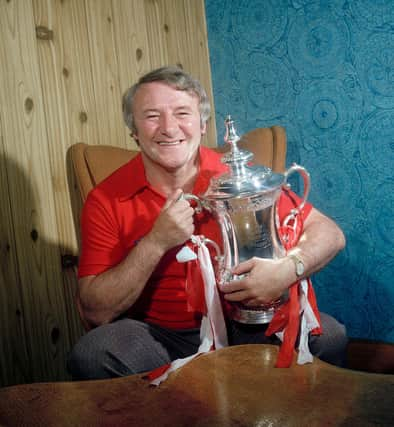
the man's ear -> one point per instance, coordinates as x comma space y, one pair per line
135, 137
204, 128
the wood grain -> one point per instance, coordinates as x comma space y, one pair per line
30, 191
105, 72
234, 386
177, 36
63, 68
130, 34
14, 354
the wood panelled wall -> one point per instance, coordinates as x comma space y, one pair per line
64, 65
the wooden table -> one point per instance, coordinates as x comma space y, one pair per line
235, 386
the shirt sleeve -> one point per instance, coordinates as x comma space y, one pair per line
101, 246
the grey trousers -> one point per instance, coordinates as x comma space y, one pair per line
128, 346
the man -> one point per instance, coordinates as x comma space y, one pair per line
131, 288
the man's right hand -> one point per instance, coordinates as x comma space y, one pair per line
104, 297
174, 226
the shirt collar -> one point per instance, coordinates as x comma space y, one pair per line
135, 169
210, 165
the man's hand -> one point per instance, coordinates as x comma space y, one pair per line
175, 223
265, 281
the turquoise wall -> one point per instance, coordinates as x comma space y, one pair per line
325, 71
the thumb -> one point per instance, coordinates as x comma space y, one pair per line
173, 197
243, 267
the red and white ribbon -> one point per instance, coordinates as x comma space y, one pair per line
213, 333
309, 322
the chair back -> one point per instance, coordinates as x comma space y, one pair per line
91, 164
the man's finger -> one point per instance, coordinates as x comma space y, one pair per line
174, 197
243, 267
237, 296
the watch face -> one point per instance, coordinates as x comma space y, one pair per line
299, 265
299, 268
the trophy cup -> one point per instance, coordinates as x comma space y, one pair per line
243, 202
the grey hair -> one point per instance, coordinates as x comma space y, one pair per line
172, 76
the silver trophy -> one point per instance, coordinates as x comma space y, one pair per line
243, 202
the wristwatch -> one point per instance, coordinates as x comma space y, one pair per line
299, 265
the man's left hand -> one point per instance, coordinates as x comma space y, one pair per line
264, 281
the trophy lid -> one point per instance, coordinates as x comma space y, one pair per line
244, 178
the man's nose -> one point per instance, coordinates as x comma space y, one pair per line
168, 124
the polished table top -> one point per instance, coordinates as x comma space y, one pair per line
235, 386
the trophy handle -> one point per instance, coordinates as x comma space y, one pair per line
187, 196
199, 207
207, 241
306, 178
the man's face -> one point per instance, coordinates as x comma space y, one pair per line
168, 125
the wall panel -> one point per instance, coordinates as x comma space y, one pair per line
13, 354
105, 72
30, 192
132, 47
64, 65
324, 71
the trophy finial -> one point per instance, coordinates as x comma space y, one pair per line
235, 157
231, 137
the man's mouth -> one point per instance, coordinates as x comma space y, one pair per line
177, 142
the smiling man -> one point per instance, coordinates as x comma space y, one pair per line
132, 290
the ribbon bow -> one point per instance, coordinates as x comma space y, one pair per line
300, 307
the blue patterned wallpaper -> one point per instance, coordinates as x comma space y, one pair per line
325, 71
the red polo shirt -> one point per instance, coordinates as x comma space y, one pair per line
120, 211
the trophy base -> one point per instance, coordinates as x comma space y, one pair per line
252, 317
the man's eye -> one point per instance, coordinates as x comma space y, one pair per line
183, 113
